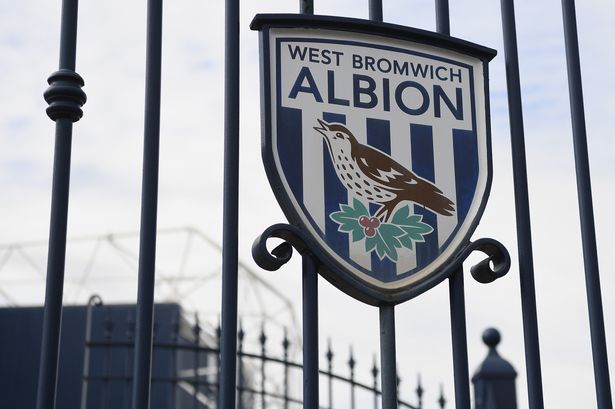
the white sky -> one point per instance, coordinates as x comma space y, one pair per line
107, 152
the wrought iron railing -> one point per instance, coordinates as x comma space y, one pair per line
185, 372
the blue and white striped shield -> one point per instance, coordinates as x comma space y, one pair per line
377, 145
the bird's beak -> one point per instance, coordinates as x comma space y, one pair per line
323, 127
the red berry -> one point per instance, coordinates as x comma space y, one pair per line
374, 222
370, 231
364, 221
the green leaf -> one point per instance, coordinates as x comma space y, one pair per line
348, 219
418, 233
406, 241
404, 230
360, 208
385, 241
390, 230
358, 234
413, 227
401, 216
371, 243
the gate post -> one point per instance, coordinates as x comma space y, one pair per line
494, 380
65, 98
586, 209
149, 210
455, 281
230, 217
522, 209
310, 332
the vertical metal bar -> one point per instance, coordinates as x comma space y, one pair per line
68, 34
94, 300
398, 388
306, 6
263, 341
285, 345
588, 233
375, 383
174, 351
387, 312
443, 21
456, 287
228, 344
310, 306
106, 372
329, 357
197, 338
240, 369
149, 207
351, 364
310, 333
522, 209
388, 366
64, 109
218, 363
130, 332
460, 343
375, 10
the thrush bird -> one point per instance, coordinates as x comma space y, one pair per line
375, 176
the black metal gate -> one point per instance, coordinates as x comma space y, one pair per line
66, 98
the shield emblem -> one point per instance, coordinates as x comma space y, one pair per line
376, 143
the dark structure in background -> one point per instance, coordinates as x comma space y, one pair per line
96, 364
494, 380
105, 379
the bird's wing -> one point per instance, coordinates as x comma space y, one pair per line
383, 169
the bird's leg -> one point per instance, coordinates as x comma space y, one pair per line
385, 211
380, 212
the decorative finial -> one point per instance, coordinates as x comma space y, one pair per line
329, 354
491, 337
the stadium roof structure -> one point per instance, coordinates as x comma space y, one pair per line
188, 272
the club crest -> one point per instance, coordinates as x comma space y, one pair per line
376, 143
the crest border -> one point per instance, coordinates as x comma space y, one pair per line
328, 267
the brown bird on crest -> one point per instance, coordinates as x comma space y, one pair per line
375, 176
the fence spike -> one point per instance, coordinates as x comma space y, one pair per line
419, 391
285, 345
285, 342
375, 370
351, 365
329, 355
263, 341
196, 329
351, 362
240, 335
441, 400
263, 338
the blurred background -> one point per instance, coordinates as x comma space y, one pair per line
106, 177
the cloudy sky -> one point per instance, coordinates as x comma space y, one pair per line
107, 152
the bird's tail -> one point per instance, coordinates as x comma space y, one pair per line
431, 197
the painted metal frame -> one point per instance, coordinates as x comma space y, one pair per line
329, 267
